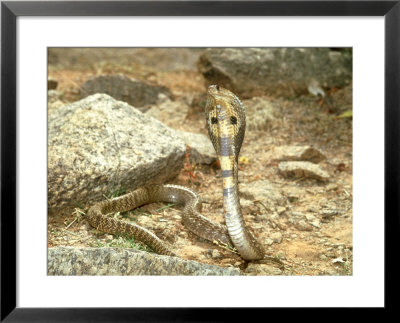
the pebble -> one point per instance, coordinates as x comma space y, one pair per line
298, 153
215, 254
302, 169
280, 209
276, 237
323, 257
268, 241
51, 84
303, 226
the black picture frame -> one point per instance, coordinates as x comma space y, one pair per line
10, 10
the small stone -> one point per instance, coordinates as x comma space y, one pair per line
338, 260
298, 153
297, 214
315, 88
329, 212
274, 216
280, 209
51, 84
301, 169
276, 237
302, 225
313, 220
215, 254
268, 241
332, 187
327, 215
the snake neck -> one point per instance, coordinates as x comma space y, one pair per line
248, 247
230, 187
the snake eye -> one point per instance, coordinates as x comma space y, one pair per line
233, 120
214, 120
217, 87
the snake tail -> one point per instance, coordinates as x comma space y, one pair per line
98, 216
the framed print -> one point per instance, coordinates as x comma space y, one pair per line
279, 118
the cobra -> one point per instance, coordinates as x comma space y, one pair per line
226, 123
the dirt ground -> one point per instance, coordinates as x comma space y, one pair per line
322, 247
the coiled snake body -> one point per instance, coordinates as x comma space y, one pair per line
226, 123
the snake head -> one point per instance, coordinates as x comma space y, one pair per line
225, 117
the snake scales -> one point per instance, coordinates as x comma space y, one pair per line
226, 123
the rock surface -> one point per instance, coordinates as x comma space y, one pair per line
120, 87
53, 96
54, 100
285, 71
64, 261
201, 149
263, 270
98, 144
302, 222
302, 169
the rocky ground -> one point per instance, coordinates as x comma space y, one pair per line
299, 206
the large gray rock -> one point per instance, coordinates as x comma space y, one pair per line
120, 87
67, 261
286, 71
99, 144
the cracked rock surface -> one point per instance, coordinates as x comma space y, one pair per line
97, 143
122, 262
